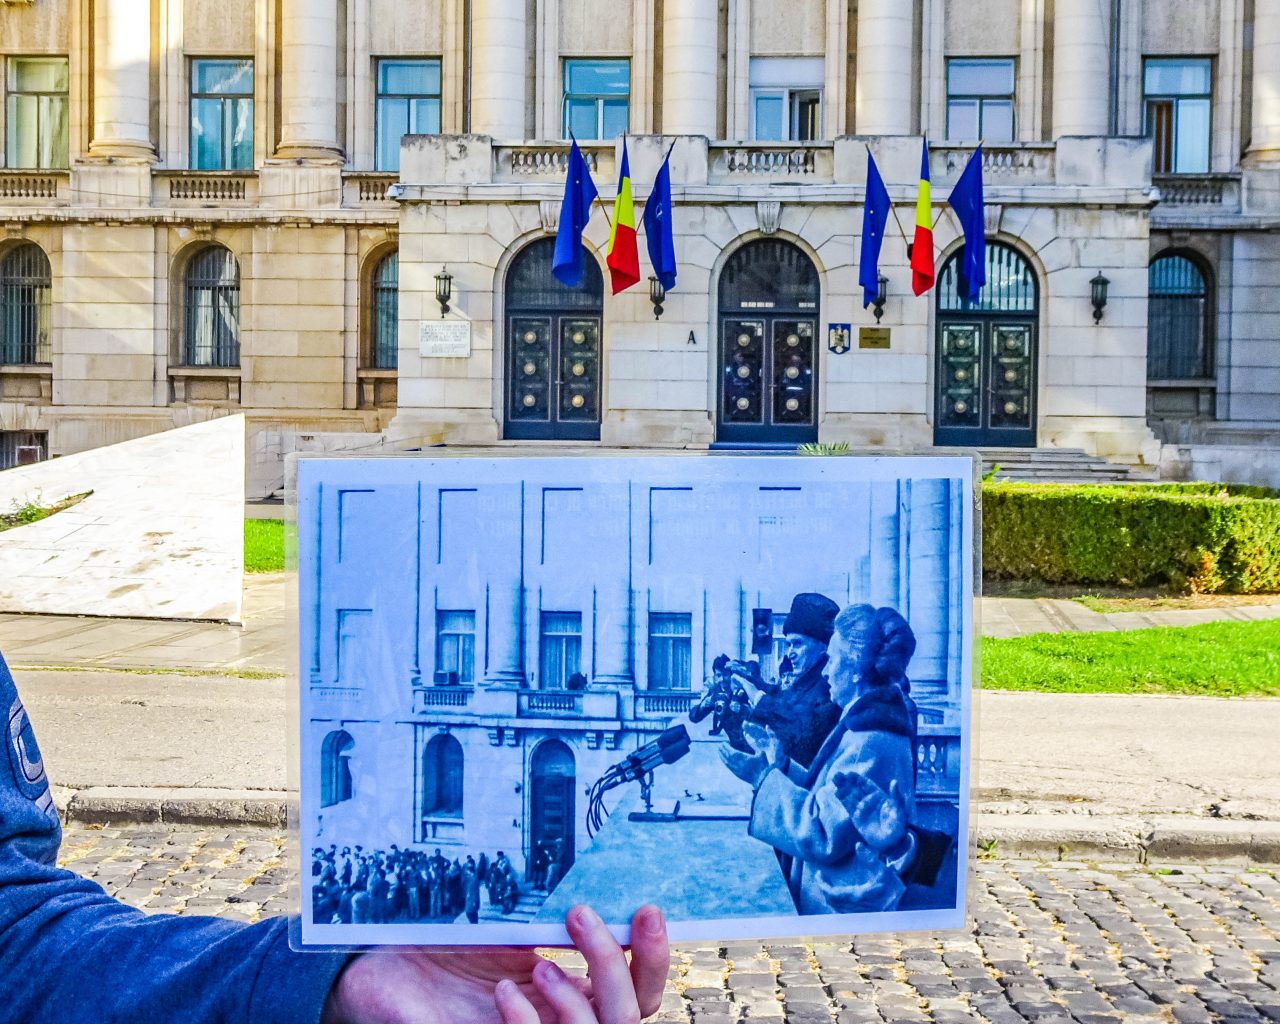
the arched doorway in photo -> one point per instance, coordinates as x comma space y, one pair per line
552, 778
553, 347
985, 379
768, 368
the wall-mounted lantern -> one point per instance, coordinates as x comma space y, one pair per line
444, 290
1098, 294
882, 296
657, 293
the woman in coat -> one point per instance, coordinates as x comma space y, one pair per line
844, 821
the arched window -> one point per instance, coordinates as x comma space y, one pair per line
442, 778
25, 307
1010, 287
384, 313
1178, 320
211, 309
335, 768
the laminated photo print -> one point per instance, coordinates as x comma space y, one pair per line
734, 686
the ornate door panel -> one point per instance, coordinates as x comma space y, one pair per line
767, 374
986, 383
553, 377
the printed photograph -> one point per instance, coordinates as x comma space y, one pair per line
737, 686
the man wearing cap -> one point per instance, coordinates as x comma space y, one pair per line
801, 711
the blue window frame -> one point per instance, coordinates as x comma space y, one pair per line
670, 651
561, 649
1178, 95
455, 647
221, 115
408, 103
597, 98
980, 93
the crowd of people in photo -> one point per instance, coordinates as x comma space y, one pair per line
353, 885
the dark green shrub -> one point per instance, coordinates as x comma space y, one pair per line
1207, 538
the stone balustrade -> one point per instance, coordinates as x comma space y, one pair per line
368, 188
1220, 192
33, 186
204, 188
1070, 163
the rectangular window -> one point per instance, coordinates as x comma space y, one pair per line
408, 103
455, 647
222, 115
980, 95
561, 649
36, 112
786, 99
670, 651
1177, 94
597, 98
23, 447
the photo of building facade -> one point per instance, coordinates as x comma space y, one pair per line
259, 206
534, 622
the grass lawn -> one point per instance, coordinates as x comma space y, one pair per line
264, 545
1220, 659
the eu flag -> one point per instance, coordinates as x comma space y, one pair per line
658, 233
875, 215
575, 210
966, 200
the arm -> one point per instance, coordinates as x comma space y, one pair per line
812, 825
58, 931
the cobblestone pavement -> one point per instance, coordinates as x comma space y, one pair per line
1049, 942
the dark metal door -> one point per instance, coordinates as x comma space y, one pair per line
552, 804
553, 346
767, 370
553, 377
986, 382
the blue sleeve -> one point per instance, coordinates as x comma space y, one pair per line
70, 953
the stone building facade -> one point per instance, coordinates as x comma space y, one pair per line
206, 209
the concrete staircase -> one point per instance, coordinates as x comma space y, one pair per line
526, 909
1061, 465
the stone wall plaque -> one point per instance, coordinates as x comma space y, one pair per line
873, 337
444, 339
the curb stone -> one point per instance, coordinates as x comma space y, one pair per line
1142, 840
106, 805
1054, 837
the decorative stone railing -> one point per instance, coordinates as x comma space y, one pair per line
32, 186
664, 704
548, 161
1030, 163
551, 702
436, 698
764, 162
205, 188
938, 761
1211, 192
364, 188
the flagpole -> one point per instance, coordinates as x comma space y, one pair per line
947, 206
892, 208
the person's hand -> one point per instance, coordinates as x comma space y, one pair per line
880, 817
748, 672
509, 985
765, 740
750, 768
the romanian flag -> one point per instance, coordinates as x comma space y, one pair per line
922, 272
624, 255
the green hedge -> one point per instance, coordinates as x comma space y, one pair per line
1207, 538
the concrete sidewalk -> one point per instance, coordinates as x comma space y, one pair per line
265, 643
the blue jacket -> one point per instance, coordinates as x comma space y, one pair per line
70, 954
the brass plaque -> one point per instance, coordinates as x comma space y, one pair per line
873, 337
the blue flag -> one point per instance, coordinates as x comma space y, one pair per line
658, 232
579, 193
966, 199
875, 215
